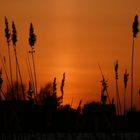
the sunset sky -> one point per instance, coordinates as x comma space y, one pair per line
73, 36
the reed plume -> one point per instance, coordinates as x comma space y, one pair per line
62, 86
125, 86
135, 31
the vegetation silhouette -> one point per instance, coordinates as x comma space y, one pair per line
116, 65
135, 31
125, 86
31, 110
8, 39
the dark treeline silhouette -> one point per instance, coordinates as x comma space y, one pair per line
51, 116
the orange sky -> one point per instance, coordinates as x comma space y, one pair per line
73, 36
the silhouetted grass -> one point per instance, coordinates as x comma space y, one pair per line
125, 86
43, 110
32, 40
8, 39
135, 31
119, 110
14, 40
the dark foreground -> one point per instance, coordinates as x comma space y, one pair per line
25, 116
70, 136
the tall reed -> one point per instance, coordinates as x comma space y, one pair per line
8, 39
125, 86
104, 91
32, 40
3, 61
62, 86
135, 31
117, 89
14, 40
30, 73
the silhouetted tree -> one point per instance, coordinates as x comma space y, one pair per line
62, 85
50, 101
48, 97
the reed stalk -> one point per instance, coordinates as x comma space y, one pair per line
135, 31
62, 86
17, 80
32, 53
32, 40
30, 73
18, 68
125, 86
117, 88
132, 73
8, 39
71, 102
104, 86
14, 40
4, 67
